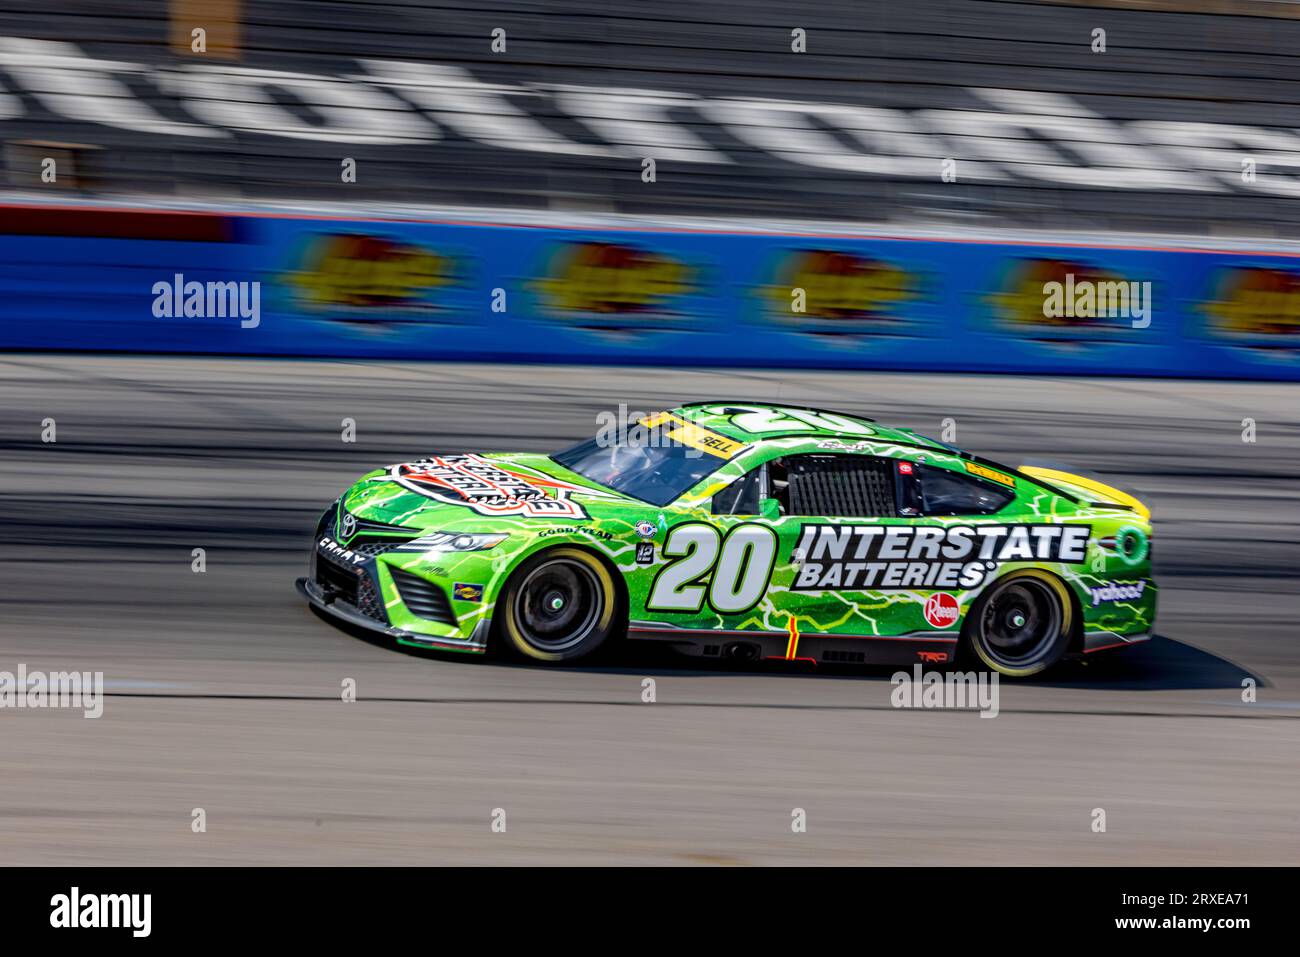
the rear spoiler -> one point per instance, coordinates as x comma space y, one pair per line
1092, 491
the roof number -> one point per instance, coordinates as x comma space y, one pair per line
757, 420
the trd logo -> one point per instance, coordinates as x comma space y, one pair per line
938, 657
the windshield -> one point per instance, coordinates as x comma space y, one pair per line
655, 474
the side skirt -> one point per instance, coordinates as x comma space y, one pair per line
925, 647
1104, 640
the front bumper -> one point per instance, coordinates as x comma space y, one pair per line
317, 597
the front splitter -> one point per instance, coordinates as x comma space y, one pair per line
476, 644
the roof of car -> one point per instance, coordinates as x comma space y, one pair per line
732, 419
741, 419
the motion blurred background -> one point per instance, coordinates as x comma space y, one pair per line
682, 169
1048, 131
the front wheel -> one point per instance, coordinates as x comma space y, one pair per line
1021, 625
559, 605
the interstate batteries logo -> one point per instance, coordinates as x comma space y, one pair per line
487, 488
877, 558
367, 277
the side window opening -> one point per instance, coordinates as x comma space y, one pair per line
741, 496
941, 492
849, 485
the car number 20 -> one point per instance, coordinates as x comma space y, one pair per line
738, 566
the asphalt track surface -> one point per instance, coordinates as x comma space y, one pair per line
224, 689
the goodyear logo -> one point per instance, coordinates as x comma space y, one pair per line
975, 468
612, 279
1019, 302
1255, 301
367, 272
839, 285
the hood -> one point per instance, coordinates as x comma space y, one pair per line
432, 492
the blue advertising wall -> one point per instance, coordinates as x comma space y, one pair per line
421, 290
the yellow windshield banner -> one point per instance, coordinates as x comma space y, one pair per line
691, 435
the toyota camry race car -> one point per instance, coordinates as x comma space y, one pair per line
744, 531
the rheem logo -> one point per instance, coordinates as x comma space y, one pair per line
941, 610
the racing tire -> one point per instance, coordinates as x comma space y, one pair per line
558, 606
1021, 624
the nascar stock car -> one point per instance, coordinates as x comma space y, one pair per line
742, 530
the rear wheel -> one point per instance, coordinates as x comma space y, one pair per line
1021, 625
559, 605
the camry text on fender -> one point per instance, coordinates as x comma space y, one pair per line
746, 531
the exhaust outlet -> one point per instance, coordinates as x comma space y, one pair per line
741, 651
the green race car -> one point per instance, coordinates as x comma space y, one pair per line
741, 530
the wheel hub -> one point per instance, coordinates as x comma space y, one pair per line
558, 604
1020, 622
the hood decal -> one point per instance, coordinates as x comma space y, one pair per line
488, 488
